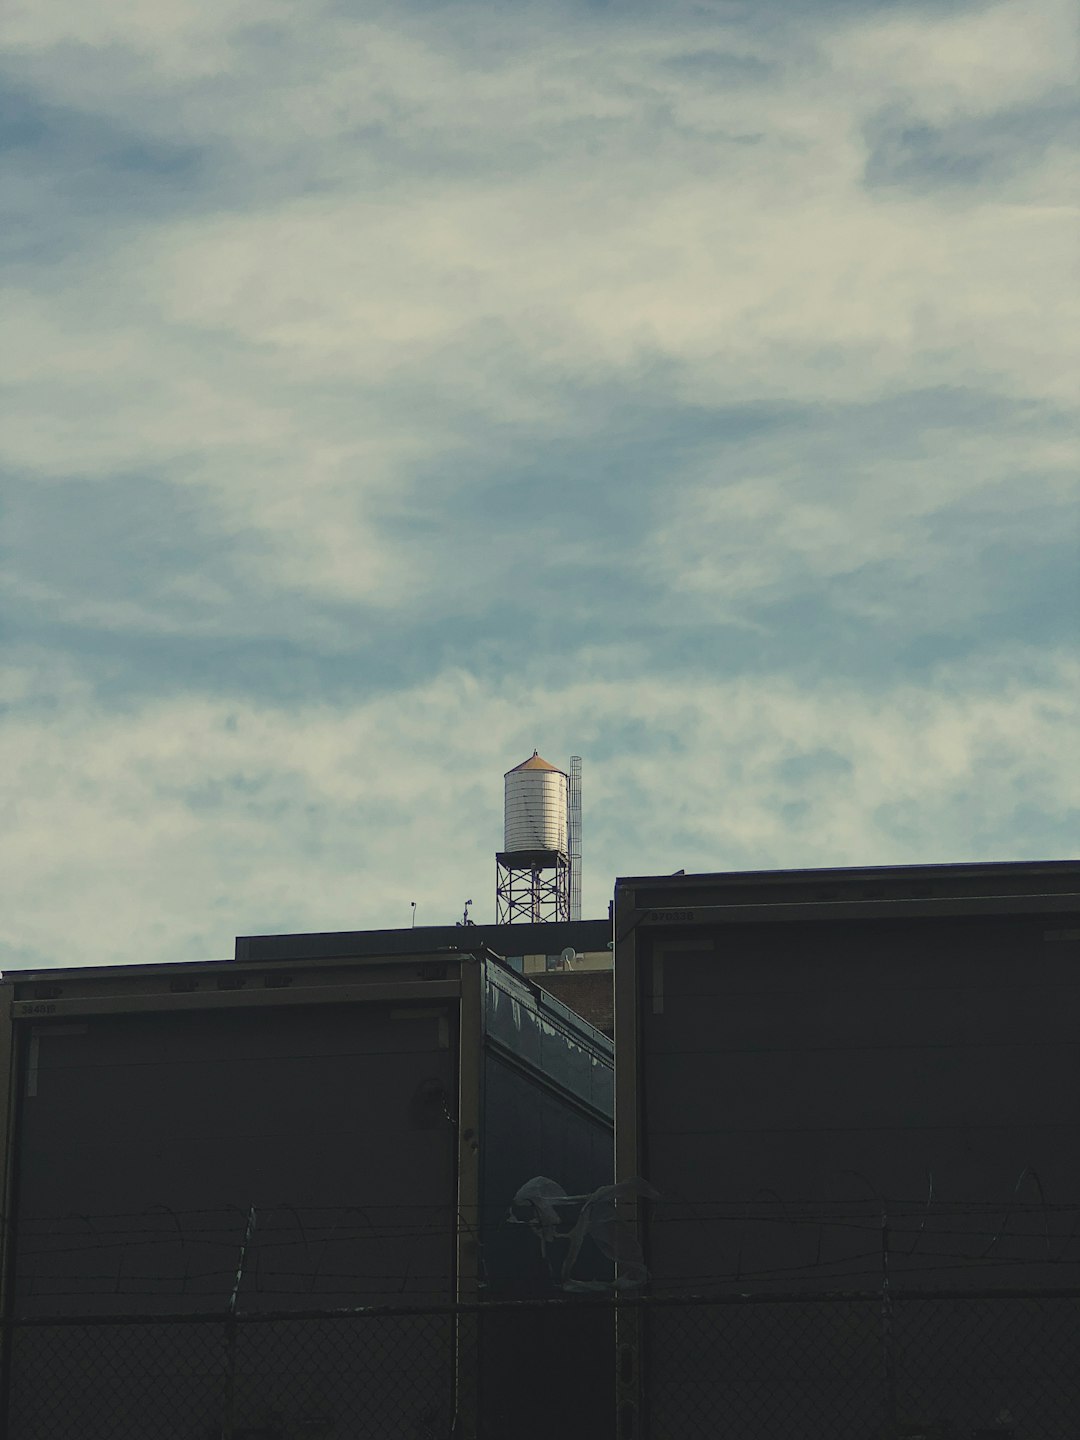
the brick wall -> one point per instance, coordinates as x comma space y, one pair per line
590, 993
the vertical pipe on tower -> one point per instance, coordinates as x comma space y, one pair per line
574, 827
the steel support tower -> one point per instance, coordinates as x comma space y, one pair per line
531, 886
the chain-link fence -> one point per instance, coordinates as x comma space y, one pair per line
528, 1369
936, 1365
263, 1377
813, 1367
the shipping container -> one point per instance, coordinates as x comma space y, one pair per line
284, 1135
844, 1081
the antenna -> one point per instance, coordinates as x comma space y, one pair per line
413, 904
574, 827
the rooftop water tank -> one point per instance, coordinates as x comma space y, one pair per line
535, 807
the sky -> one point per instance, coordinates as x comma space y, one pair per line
391, 390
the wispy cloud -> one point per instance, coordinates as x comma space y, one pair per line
164, 829
425, 383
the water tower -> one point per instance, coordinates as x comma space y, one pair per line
533, 869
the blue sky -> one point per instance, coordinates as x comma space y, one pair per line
391, 390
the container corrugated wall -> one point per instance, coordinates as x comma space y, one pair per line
535, 806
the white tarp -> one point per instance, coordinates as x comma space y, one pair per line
543, 1204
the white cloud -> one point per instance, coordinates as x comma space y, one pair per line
188, 39
160, 832
785, 516
968, 64
269, 354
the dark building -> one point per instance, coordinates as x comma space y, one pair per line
846, 1081
570, 959
323, 1122
854, 1093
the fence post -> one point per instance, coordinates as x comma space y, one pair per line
231, 1332
629, 1323
888, 1353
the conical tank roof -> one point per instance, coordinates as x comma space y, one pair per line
535, 807
535, 762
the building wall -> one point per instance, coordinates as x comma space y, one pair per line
589, 993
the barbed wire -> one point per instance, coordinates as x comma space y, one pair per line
296, 1250
766, 1209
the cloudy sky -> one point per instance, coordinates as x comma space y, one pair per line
393, 389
